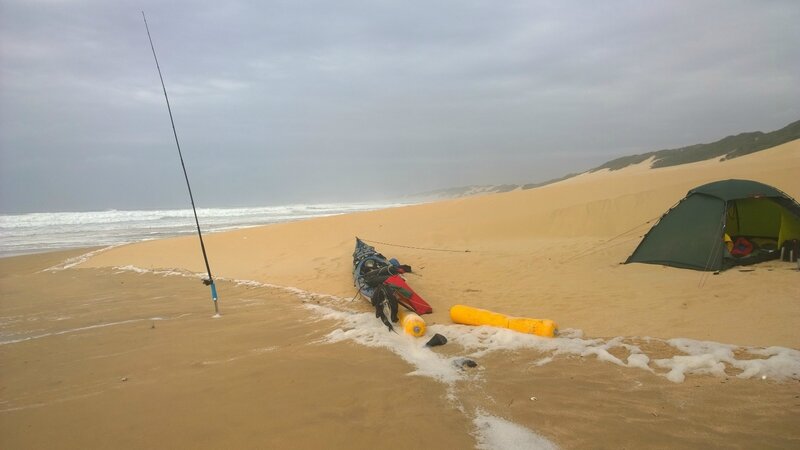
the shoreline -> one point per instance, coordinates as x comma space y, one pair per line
49, 231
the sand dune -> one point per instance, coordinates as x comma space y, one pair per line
549, 252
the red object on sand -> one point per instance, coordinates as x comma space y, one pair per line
407, 296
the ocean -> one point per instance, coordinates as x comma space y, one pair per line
22, 234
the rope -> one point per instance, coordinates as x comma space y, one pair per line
417, 248
603, 245
714, 249
598, 248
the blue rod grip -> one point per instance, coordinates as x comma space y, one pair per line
213, 291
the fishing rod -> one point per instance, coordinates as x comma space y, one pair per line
210, 280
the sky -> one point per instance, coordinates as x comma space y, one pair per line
279, 102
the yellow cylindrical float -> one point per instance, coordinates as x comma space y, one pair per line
412, 323
467, 315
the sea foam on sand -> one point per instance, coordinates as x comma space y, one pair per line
696, 358
703, 357
365, 329
699, 357
495, 433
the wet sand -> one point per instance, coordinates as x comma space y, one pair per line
145, 366
117, 359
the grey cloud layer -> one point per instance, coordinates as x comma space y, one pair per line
318, 101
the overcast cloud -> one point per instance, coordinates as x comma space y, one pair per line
308, 101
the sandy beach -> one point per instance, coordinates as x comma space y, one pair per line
552, 252
117, 348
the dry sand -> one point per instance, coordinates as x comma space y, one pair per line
96, 357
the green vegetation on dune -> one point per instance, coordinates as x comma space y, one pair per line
726, 148
545, 183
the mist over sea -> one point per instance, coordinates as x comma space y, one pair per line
41, 232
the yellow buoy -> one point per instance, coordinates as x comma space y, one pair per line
412, 323
467, 315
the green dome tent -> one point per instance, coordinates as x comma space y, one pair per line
693, 233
